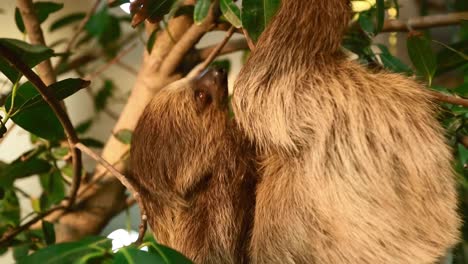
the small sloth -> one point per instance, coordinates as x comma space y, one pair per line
195, 172
354, 165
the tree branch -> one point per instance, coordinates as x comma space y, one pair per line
216, 50
113, 61
36, 37
424, 22
231, 46
72, 137
188, 40
449, 99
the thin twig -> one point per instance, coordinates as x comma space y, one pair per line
72, 137
106, 66
424, 22
215, 52
8, 235
124, 182
250, 42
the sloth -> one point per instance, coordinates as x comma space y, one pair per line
353, 165
195, 171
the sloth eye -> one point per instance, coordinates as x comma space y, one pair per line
202, 98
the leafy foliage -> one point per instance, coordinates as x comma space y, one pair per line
48, 158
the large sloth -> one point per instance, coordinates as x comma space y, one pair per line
354, 167
195, 172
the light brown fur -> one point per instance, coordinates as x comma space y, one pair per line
355, 168
196, 173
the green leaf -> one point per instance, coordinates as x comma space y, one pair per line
124, 136
201, 11
104, 26
169, 254
158, 9
42, 9
83, 127
65, 253
29, 54
452, 57
49, 232
151, 40
9, 210
20, 252
103, 95
38, 119
60, 90
366, 23
462, 154
231, 12
380, 15
422, 57
391, 62
67, 20
256, 14
53, 187
21, 169
130, 255
92, 143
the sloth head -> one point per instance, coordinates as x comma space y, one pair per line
183, 131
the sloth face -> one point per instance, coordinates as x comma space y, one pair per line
184, 129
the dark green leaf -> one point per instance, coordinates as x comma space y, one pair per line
20, 252
38, 119
151, 40
104, 26
124, 136
53, 187
29, 54
201, 11
67, 20
256, 14
391, 62
462, 154
366, 23
103, 95
9, 211
380, 15
60, 90
49, 232
92, 143
129, 255
43, 10
231, 12
422, 57
20, 169
83, 127
448, 59
158, 9
68, 252
168, 253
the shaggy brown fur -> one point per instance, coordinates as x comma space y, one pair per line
354, 164
195, 172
